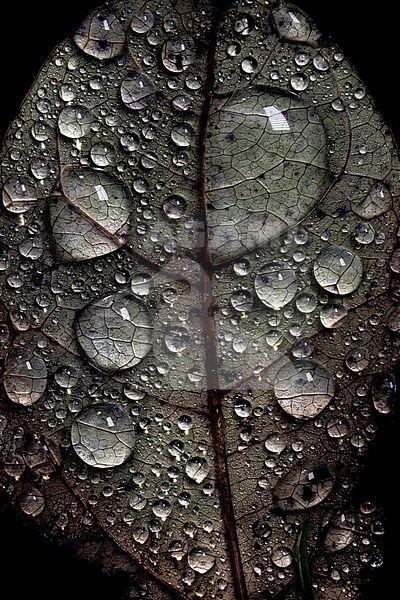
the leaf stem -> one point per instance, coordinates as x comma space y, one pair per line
301, 560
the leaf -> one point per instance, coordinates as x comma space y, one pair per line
198, 317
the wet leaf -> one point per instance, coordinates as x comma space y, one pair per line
199, 300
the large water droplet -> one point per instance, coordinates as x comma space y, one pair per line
24, 377
103, 435
201, 560
338, 270
75, 121
384, 392
276, 285
282, 557
331, 315
20, 194
375, 203
178, 53
182, 134
197, 469
177, 339
340, 534
162, 508
357, 359
95, 220
101, 35
305, 486
142, 21
292, 24
137, 90
114, 332
276, 443
175, 207
32, 502
304, 388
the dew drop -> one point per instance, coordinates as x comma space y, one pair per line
24, 376
357, 359
384, 392
375, 203
103, 435
201, 559
182, 134
299, 82
101, 35
178, 53
175, 207
304, 388
114, 332
338, 270
331, 315
19, 194
75, 121
282, 557
137, 90
177, 339
242, 301
276, 443
143, 21
197, 469
32, 502
276, 285
244, 24
305, 486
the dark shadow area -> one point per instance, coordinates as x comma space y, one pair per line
31, 566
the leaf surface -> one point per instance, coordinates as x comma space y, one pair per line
199, 256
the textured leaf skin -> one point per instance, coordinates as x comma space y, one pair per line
263, 388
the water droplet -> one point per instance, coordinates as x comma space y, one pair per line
242, 301
137, 90
19, 194
177, 339
276, 285
338, 427
182, 102
101, 35
197, 469
201, 559
320, 63
338, 270
41, 131
357, 359
243, 407
276, 443
299, 82
233, 49
178, 53
249, 64
292, 24
384, 392
331, 315
32, 502
31, 247
240, 343
162, 508
75, 121
282, 557
103, 435
364, 233
66, 376
102, 154
175, 207
305, 486
24, 377
375, 203
114, 332
40, 168
140, 534
141, 284
182, 134
244, 24
242, 267
142, 21
340, 534
304, 388
306, 303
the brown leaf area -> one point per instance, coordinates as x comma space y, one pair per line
198, 300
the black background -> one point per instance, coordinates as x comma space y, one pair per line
31, 567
